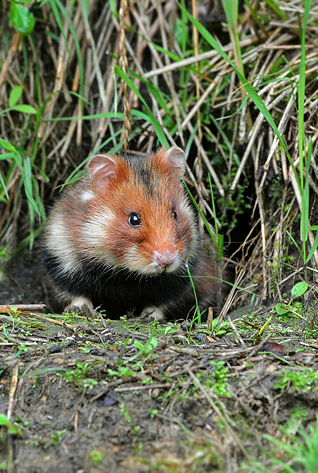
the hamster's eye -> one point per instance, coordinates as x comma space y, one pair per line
174, 214
134, 220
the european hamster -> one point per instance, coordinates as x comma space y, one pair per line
124, 237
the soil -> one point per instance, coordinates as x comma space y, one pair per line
87, 396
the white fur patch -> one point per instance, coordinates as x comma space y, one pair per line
135, 262
87, 195
174, 266
94, 233
185, 208
155, 313
80, 301
60, 244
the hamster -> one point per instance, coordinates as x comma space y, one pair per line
124, 238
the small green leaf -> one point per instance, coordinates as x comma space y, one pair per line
22, 19
299, 289
280, 310
6, 145
15, 94
13, 429
153, 342
138, 345
49, 33
25, 109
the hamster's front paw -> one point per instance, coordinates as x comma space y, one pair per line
81, 305
153, 313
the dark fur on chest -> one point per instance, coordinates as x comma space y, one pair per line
119, 292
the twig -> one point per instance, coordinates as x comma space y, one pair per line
26, 307
198, 58
186, 351
4, 310
8, 60
52, 321
230, 297
259, 346
143, 386
235, 331
13, 387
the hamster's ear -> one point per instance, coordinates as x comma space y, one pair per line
101, 169
101, 164
175, 157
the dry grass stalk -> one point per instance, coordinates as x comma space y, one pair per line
123, 64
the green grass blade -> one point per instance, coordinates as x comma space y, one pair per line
115, 93
231, 12
78, 96
38, 199
304, 181
305, 199
85, 8
314, 246
32, 220
155, 91
112, 4
158, 129
201, 214
25, 109
4, 186
275, 7
237, 111
58, 20
301, 90
190, 141
293, 240
6, 145
27, 181
25, 170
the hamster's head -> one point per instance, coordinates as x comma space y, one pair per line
139, 217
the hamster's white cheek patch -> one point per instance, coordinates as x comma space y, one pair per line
87, 195
95, 230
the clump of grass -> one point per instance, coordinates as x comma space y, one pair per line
293, 453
